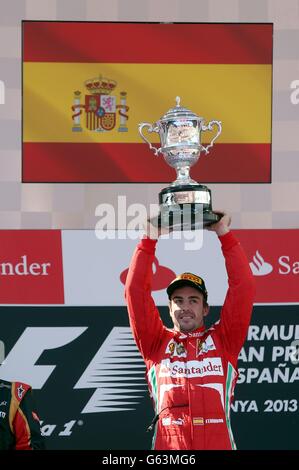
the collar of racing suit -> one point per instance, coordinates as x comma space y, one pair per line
193, 334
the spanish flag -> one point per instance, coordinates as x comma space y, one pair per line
87, 86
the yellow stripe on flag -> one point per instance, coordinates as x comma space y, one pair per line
237, 95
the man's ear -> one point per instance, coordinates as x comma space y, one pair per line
206, 310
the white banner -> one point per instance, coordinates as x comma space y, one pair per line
93, 267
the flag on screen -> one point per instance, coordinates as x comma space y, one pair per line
87, 86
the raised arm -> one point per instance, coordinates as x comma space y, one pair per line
144, 316
237, 308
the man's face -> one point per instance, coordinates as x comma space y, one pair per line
187, 309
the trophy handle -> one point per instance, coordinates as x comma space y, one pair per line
209, 127
150, 129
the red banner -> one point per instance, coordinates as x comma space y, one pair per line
31, 270
274, 261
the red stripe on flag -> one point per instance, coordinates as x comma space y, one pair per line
128, 163
208, 43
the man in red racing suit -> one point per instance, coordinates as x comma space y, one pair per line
191, 371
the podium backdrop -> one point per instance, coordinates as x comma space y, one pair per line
90, 381
76, 349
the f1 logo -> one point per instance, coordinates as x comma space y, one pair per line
20, 362
108, 372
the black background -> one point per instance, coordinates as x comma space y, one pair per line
58, 403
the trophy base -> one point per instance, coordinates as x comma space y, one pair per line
186, 217
186, 207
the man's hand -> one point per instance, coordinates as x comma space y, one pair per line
153, 230
221, 227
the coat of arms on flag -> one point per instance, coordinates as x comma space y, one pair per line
100, 107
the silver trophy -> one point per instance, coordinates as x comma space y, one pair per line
185, 204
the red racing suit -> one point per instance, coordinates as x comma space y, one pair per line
19, 422
191, 377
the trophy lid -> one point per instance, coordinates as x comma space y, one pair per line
179, 111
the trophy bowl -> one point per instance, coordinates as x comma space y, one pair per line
185, 204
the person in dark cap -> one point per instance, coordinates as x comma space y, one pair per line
186, 284
191, 370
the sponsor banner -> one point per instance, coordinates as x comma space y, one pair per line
31, 270
77, 268
274, 261
98, 99
95, 270
92, 279
89, 378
